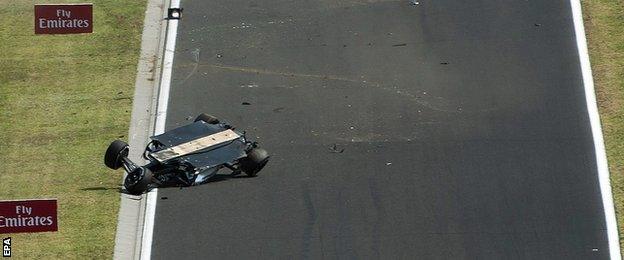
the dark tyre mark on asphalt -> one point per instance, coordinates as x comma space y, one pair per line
373, 187
309, 221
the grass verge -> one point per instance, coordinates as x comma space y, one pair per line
62, 99
604, 21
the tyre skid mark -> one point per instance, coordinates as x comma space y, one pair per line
438, 103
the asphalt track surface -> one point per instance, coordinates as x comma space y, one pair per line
443, 130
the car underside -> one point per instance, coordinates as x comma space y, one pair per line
188, 155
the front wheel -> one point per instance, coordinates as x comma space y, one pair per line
138, 181
116, 151
207, 118
254, 162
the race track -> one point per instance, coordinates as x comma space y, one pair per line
442, 130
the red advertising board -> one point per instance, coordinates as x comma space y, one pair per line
17, 216
63, 18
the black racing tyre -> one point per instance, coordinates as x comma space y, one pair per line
254, 162
207, 118
138, 181
116, 150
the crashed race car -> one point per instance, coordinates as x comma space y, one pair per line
188, 155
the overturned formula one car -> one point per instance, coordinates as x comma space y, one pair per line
188, 155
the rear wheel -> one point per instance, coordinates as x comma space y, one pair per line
116, 151
254, 162
207, 118
138, 181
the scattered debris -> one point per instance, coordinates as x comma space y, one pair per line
444, 63
246, 103
414, 2
196, 52
189, 118
252, 85
334, 149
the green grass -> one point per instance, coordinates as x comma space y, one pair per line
63, 98
604, 23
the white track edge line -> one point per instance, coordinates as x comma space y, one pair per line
161, 117
594, 118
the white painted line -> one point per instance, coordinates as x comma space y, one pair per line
594, 118
161, 117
